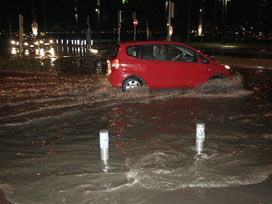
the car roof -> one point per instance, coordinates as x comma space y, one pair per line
154, 42
148, 42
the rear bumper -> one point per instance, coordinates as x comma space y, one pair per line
115, 79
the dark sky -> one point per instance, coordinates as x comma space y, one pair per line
60, 13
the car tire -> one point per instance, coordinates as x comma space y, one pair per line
218, 77
131, 83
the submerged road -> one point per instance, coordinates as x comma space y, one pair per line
50, 152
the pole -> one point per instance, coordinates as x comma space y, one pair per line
88, 32
189, 21
224, 15
214, 21
119, 25
21, 19
200, 26
44, 17
134, 24
119, 33
98, 21
134, 33
169, 21
147, 31
10, 30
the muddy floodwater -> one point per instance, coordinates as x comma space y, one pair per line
49, 139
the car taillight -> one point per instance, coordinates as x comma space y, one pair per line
115, 63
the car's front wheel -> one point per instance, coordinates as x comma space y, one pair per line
131, 83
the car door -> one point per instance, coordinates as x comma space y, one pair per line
155, 67
187, 70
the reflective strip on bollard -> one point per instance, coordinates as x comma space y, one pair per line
104, 144
200, 137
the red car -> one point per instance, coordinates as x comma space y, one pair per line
160, 64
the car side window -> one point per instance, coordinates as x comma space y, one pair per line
147, 52
159, 52
132, 51
181, 54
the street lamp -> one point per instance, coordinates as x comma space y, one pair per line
200, 26
97, 10
171, 13
34, 27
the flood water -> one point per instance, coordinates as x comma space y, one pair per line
50, 143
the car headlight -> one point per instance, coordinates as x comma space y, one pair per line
227, 66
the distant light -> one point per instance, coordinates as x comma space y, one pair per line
52, 51
36, 43
53, 59
13, 42
94, 51
41, 41
34, 27
200, 30
13, 51
25, 43
42, 52
230, 46
51, 41
26, 52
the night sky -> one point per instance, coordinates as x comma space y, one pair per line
59, 14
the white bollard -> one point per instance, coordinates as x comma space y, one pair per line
104, 144
200, 137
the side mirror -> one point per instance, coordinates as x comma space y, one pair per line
203, 60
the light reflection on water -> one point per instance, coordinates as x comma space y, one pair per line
77, 51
